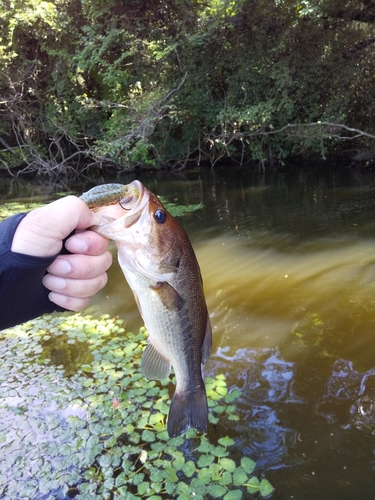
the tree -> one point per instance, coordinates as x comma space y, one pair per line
166, 82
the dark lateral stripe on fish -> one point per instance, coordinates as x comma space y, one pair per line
188, 410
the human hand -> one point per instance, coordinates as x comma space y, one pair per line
73, 279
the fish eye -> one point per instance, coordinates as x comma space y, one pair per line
160, 216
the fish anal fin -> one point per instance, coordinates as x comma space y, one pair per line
207, 342
188, 410
154, 365
169, 297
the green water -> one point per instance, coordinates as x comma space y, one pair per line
288, 265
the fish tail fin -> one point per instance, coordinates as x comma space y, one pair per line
187, 410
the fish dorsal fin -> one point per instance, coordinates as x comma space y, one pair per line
207, 342
154, 365
170, 298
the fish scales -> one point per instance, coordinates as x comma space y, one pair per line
160, 266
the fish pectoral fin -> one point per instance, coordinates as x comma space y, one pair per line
154, 365
207, 342
169, 297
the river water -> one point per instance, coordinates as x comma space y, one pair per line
288, 263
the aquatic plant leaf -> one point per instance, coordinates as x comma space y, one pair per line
134, 437
219, 409
265, 488
170, 487
226, 441
204, 475
143, 488
156, 497
148, 436
228, 464
198, 488
239, 476
170, 474
233, 495
183, 489
222, 391
155, 418
205, 460
253, 484
179, 462
213, 420
232, 396
226, 478
157, 448
220, 451
248, 465
163, 436
157, 476
188, 468
177, 210
216, 491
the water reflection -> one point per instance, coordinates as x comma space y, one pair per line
348, 385
264, 379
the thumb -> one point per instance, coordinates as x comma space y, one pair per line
42, 231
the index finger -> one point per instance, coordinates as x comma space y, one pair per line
87, 243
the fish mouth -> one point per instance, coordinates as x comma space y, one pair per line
134, 200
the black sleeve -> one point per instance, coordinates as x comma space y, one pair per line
22, 293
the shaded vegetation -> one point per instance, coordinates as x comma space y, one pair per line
164, 83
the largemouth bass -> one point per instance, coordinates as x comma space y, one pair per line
160, 266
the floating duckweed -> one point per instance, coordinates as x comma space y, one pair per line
178, 210
15, 207
79, 420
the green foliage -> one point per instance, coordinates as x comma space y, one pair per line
95, 428
139, 84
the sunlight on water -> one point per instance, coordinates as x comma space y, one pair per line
255, 296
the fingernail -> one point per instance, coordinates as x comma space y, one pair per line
60, 266
76, 245
54, 282
57, 298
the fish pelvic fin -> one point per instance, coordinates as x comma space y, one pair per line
154, 365
207, 342
188, 410
169, 297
